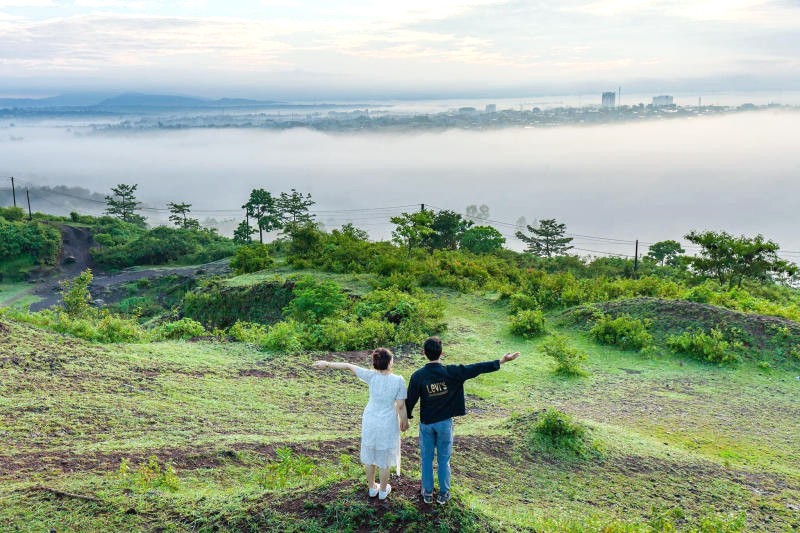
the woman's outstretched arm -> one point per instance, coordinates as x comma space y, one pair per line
337, 366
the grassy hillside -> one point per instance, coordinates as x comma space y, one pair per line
213, 435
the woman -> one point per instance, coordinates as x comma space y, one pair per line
380, 431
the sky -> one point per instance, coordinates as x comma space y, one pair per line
418, 48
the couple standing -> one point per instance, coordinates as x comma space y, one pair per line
440, 391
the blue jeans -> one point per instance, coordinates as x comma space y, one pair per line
438, 436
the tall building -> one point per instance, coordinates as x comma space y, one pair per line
609, 99
662, 101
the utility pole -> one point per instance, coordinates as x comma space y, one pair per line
28, 195
421, 208
13, 191
636, 259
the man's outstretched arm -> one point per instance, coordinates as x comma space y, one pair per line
465, 372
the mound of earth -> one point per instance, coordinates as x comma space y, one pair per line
674, 316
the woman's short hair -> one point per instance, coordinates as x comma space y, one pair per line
381, 358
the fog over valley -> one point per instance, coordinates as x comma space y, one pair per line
651, 181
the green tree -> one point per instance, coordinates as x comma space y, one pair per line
448, 227
178, 216
251, 258
293, 207
123, 204
733, 259
243, 234
482, 240
665, 252
547, 239
263, 208
351, 232
412, 229
75, 296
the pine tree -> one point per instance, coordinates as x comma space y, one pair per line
179, 218
547, 239
293, 207
122, 204
263, 208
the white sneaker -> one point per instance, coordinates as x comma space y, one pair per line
382, 495
373, 492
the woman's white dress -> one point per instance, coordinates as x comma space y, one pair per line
380, 426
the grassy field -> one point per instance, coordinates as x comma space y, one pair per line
213, 435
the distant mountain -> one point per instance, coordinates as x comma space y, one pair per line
129, 101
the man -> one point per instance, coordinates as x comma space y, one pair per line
440, 391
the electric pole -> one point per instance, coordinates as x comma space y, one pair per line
636, 259
13, 191
421, 207
28, 195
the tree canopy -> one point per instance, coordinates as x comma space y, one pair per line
547, 239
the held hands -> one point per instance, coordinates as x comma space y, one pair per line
403, 425
509, 357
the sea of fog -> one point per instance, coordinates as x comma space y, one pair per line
652, 180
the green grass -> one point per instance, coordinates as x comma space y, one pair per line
678, 441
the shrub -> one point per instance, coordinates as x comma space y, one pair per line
528, 323
284, 336
75, 294
248, 332
285, 469
251, 258
112, 328
314, 300
41, 242
522, 302
624, 331
711, 347
185, 328
558, 431
568, 358
150, 475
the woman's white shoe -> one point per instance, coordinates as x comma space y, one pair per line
373, 492
383, 495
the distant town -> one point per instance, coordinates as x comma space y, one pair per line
153, 112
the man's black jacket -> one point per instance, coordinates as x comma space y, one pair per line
440, 389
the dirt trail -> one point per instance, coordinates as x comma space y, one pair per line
76, 257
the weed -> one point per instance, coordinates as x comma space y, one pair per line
568, 358
149, 475
624, 331
557, 431
528, 323
288, 468
711, 347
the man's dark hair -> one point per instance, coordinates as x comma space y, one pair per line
381, 358
433, 348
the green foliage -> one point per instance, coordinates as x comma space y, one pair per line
293, 207
665, 252
149, 475
185, 328
528, 323
75, 294
288, 468
39, 241
242, 331
547, 239
262, 207
286, 337
100, 327
251, 258
314, 300
160, 246
482, 240
217, 305
413, 229
448, 229
624, 331
732, 259
568, 358
178, 216
12, 214
122, 204
712, 347
522, 302
558, 432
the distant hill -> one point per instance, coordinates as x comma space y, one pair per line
130, 100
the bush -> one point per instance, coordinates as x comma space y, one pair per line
314, 300
248, 332
558, 431
528, 323
185, 328
39, 241
711, 347
284, 337
568, 358
522, 302
251, 258
624, 331
75, 296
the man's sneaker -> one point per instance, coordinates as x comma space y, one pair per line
443, 498
383, 495
373, 492
427, 498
